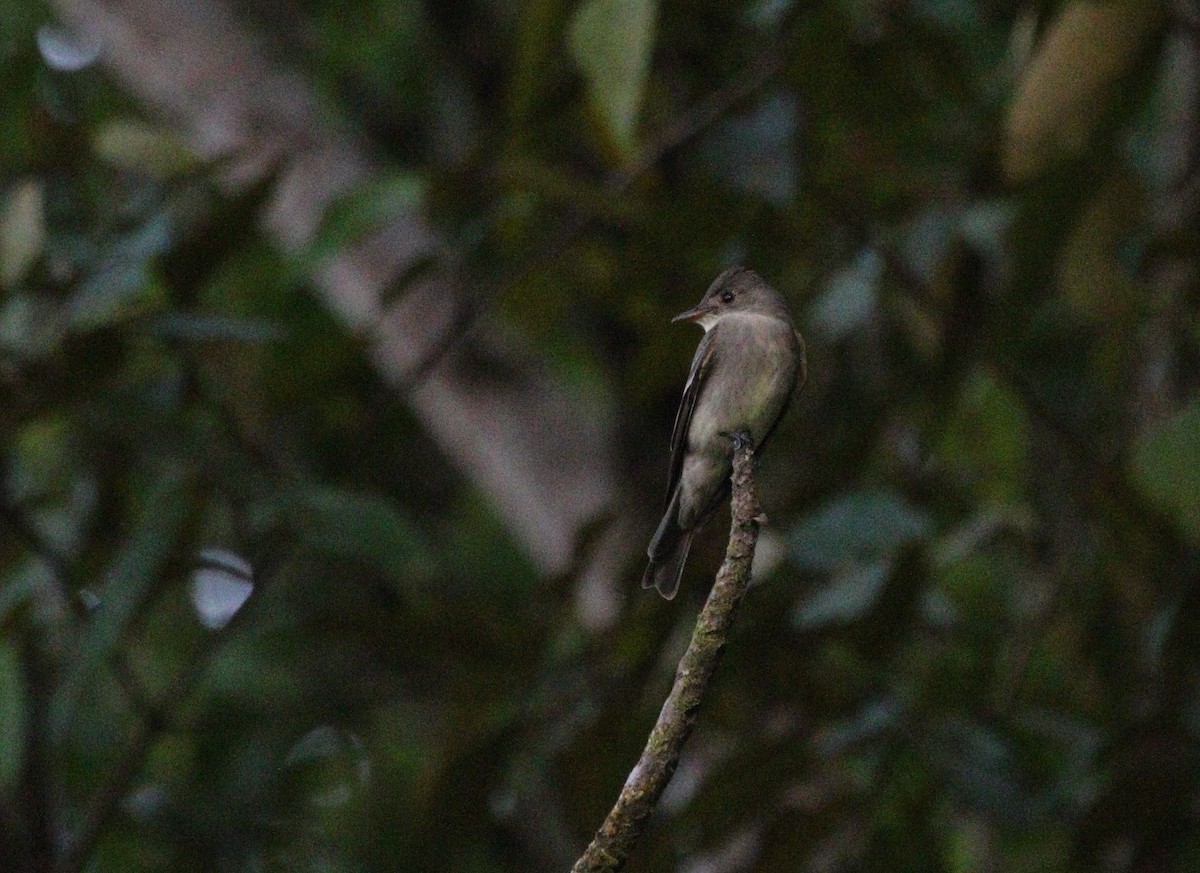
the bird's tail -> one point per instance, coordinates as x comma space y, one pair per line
668, 553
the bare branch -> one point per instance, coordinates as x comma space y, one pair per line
639, 797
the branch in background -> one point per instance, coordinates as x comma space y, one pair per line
702, 116
1107, 472
672, 137
25, 532
79, 846
189, 61
638, 799
545, 458
62, 594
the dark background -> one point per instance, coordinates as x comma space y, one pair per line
370, 301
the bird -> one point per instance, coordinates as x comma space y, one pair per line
750, 362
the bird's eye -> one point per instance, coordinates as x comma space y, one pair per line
726, 296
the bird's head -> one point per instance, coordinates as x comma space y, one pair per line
737, 290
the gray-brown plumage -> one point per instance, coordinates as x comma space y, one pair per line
749, 363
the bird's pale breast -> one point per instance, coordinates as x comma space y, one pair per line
752, 378
750, 383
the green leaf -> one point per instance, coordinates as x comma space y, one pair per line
858, 526
847, 597
1091, 275
12, 718
38, 465
1065, 91
612, 40
986, 439
756, 152
1164, 467
877, 716
22, 587
30, 325
537, 47
119, 283
980, 765
851, 297
22, 230
328, 764
135, 145
366, 210
359, 527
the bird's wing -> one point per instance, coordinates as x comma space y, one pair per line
701, 366
797, 384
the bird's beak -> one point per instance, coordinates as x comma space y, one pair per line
694, 314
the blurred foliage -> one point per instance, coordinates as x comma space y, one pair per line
977, 650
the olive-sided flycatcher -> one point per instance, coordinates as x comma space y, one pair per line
749, 363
